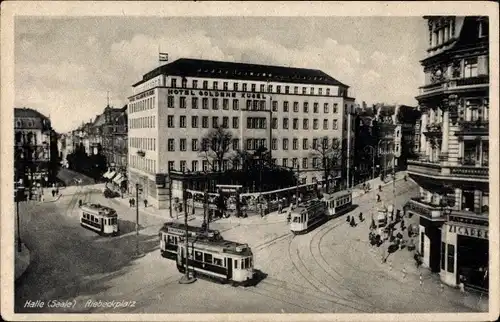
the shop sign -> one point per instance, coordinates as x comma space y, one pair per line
468, 231
214, 93
142, 95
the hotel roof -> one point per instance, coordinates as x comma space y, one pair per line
28, 112
188, 67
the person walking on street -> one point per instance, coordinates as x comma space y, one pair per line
145, 203
379, 188
348, 219
289, 217
360, 216
133, 202
353, 222
378, 198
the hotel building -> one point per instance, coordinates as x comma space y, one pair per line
175, 105
452, 170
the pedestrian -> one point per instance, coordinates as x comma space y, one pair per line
279, 207
378, 197
289, 217
361, 217
402, 225
80, 202
145, 203
353, 222
348, 219
53, 193
404, 178
404, 272
133, 202
380, 188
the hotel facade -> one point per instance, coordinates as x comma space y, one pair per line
175, 105
452, 170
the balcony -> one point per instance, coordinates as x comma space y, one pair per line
452, 85
433, 129
427, 210
478, 127
445, 171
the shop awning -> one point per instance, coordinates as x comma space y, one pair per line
106, 175
117, 179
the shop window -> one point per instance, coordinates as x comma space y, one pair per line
443, 255
451, 258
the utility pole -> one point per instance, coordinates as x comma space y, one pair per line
137, 217
348, 165
206, 218
186, 279
297, 187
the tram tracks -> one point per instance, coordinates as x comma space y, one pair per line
315, 282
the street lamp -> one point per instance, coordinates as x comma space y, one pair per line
186, 279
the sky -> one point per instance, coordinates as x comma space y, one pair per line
64, 67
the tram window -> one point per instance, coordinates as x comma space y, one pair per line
198, 256
250, 262
225, 264
217, 261
247, 262
208, 258
296, 219
235, 263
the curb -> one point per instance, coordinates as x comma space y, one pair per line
28, 265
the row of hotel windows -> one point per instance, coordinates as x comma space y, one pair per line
143, 122
255, 105
253, 87
146, 104
251, 144
235, 164
143, 143
143, 164
252, 122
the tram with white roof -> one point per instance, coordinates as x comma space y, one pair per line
99, 218
307, 215
171, 233
219, 260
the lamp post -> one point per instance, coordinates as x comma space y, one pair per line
186, 279
137, 187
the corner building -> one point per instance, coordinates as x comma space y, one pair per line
175, 105
452, 170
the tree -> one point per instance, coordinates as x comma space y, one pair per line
215, 147
330, 154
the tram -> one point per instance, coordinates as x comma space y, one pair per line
307, 215
338, 203
222, 261
99, 218
171, 233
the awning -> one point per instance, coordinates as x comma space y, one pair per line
111, 175
106, 175
117, 179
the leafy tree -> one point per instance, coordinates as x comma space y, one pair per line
215, 147
330, 154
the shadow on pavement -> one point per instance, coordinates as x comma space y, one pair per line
89, 272
127, 226
258, 277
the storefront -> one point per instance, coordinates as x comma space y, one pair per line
464, 252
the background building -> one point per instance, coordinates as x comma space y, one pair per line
174, 105
36, 158
452, 171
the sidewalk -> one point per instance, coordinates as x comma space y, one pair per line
401, 266
374, 183
22, 260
